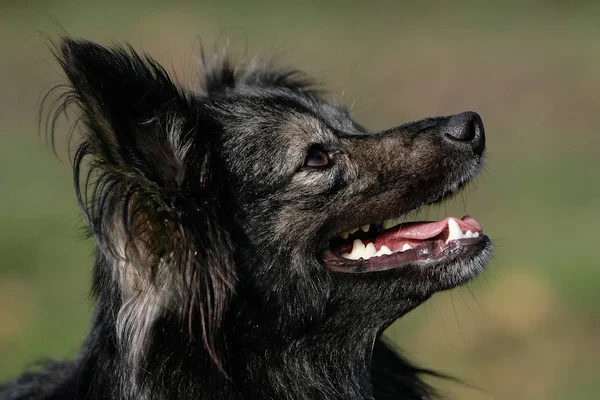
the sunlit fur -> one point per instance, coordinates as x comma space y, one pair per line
209, 230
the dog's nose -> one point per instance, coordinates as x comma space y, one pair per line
467, 128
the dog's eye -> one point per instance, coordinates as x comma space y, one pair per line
316, 158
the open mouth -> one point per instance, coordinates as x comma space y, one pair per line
451, 250
392, 244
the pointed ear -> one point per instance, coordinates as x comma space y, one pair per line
147, 191
135, 113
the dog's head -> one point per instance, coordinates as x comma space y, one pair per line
254, 202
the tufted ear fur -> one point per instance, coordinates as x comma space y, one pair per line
144, 178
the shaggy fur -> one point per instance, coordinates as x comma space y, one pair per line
210, 225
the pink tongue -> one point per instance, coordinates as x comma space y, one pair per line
427, 230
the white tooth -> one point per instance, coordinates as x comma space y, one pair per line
406, 247
469, 234
455, 231
354, 230
358, 250
384, 250
476, 234
370, 251
365, 228
389, 223
344, 235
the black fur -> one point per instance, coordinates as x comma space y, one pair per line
209, 281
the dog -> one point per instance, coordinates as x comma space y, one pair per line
249, 235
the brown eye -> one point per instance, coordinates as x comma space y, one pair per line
316, 158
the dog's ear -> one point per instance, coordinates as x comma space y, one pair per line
135, 114
148, 192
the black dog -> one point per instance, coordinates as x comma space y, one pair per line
228, 262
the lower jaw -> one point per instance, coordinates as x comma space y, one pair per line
428, 254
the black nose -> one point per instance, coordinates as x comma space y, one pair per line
467, 128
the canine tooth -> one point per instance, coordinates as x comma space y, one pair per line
345, 235
389, 223
455, 231
469, 234
384, 250
365, 228
370, 251
406, 247
476, 234
358, 250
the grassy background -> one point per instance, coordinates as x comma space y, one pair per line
529, 328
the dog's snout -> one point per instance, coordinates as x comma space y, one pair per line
467, 128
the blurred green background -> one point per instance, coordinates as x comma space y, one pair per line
529, 328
